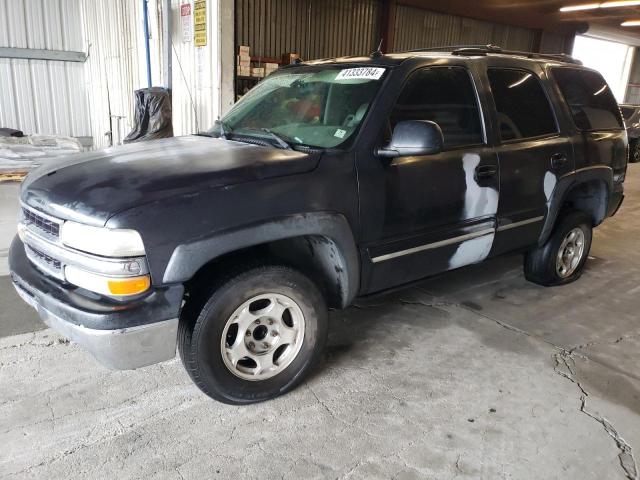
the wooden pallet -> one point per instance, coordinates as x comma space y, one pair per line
12, 176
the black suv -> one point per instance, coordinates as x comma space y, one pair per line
328, 181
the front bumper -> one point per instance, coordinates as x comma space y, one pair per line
120, 336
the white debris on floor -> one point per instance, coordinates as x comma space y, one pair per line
25, 153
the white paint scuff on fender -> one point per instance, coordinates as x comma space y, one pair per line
478, 202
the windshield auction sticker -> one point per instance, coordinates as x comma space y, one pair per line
363, 73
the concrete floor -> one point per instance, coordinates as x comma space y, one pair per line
475, 374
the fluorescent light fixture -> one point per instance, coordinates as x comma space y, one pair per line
631, 23
594, 6
575, 8
620, 3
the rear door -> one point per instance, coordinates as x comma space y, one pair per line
531, 150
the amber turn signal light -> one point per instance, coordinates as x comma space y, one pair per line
129, 286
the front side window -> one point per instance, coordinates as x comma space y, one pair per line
446, 96
318, 107
522, 106
592, 104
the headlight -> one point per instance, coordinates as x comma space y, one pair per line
111, 286
102, 241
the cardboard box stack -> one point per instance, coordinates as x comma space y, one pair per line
269, 68
289, 58
257, 72
244, 61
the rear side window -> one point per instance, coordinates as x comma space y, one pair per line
592, 104
627, 112
446, 96
523, 107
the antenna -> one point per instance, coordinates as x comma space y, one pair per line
378, 52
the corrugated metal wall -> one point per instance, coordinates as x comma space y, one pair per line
418, 28
555, 43
196, 74
41, 96
314, 29
116, 64
633, 87
96, 97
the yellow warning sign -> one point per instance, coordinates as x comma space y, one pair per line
200, 23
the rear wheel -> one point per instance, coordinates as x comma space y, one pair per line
562, 259
256, 337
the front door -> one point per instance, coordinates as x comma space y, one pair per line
428, 214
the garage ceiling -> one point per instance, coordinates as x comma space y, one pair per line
543, 14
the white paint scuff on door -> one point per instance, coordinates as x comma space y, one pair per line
478, 202
549, 184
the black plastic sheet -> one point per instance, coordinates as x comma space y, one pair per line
152, 118
10, 132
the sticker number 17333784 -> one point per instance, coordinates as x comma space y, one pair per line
362, 73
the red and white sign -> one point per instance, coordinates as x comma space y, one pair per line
187, 24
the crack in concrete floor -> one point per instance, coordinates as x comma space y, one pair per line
564, 357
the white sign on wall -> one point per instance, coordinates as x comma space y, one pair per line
187, 24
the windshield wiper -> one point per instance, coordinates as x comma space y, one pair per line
225, 129
279, 140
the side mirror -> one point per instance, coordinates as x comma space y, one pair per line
413, 138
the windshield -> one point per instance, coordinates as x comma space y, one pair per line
312, 108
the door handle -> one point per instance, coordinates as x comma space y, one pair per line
558, 159
485, 171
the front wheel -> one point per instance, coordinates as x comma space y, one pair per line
562, 259
256, 337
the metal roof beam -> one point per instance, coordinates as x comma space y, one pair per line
36, 54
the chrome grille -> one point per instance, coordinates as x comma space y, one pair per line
41, 223
45, 262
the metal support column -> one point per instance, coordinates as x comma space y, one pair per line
167, 43
145, 13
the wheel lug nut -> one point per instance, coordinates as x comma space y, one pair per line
257, 322
270, 321
252, 345
248, 333
274, 333
265, 345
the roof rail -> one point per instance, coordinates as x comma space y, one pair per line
487, 49
452, 48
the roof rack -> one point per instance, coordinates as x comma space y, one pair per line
488, 49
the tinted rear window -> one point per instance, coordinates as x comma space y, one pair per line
592, 104
522, 106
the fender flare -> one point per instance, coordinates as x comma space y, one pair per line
188, 258
565, 184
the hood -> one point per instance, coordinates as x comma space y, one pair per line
92, 187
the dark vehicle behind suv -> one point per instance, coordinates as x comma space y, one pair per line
330, 180
631, 115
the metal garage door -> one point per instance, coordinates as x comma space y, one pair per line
314, 29
418, 28
43, 96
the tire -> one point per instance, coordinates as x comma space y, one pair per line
287, 309
542, 264
634, 155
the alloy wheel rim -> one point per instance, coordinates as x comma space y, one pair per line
570, 253
262, 336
